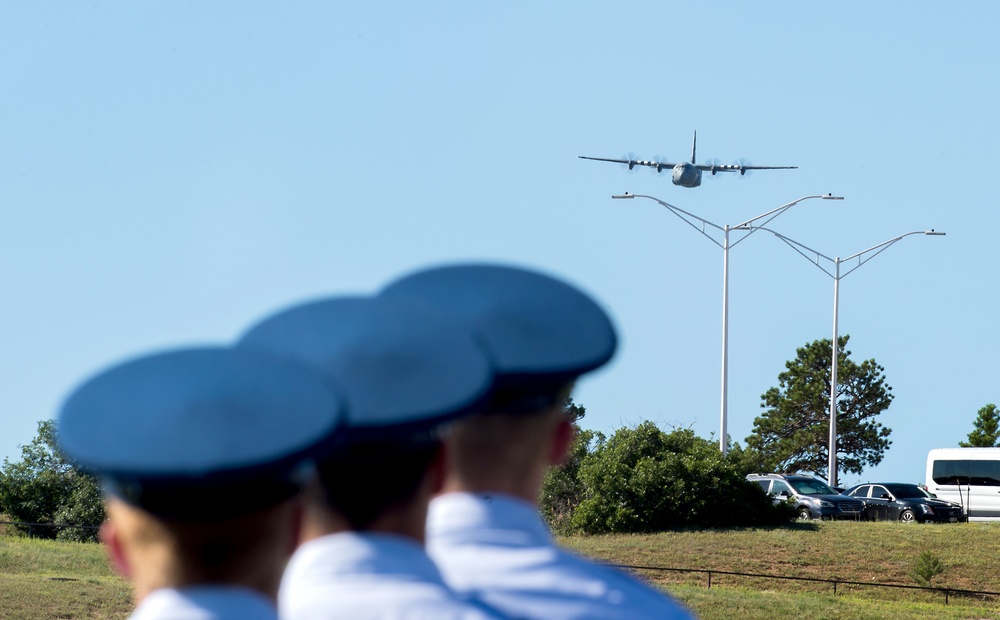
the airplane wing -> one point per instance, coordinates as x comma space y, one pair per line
665, 165
632, 163
739, 168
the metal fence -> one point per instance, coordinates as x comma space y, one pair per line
709, 573
947, 592
32, 528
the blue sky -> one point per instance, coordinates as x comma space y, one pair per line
170, 171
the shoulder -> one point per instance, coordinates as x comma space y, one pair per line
544, 581
368, 576
382, 598
203, 602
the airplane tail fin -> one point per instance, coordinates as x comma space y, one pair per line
694, 145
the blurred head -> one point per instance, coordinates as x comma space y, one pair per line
202, 454
407, 372
541, 334
247, 549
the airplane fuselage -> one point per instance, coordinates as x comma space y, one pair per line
686, 175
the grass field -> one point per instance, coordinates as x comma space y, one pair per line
862, 552
45, 579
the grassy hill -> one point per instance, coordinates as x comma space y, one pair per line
47, 579
863, 552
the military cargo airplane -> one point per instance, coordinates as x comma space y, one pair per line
689, 174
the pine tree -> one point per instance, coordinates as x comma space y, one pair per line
792, 434
985, 430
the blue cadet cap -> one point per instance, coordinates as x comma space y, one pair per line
202, 433
541, 332
405, 369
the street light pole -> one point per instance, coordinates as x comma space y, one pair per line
724, 406
831, 462
863, 257
749, 228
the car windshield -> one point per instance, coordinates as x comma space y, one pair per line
906, 491
811, 487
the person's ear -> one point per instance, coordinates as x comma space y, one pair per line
562, 440
111, 537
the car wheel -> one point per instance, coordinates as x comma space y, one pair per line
804, 514
907, 516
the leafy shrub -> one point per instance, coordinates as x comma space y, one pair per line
562, 490
83, 506
46, 487
643, 479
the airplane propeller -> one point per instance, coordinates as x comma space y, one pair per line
660, 164
742, 164
715, 163
631, 161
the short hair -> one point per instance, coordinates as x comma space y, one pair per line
493, 446
210, 551
367, 479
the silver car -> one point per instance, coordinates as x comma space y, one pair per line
812, 497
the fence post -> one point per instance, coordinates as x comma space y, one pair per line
835, 587
709, 580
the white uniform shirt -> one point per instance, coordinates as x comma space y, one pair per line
368, 575
205, 603
498, 550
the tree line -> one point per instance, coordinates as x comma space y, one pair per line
640, 479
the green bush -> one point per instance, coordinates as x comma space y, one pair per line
562, 490
643, 479
84, 506
46, 487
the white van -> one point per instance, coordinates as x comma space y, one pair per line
967, 476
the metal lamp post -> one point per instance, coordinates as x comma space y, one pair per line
700, 225
862, 257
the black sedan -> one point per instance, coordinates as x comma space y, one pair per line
897, 501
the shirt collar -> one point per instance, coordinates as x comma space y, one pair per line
367, 553
464, 514
199, 602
